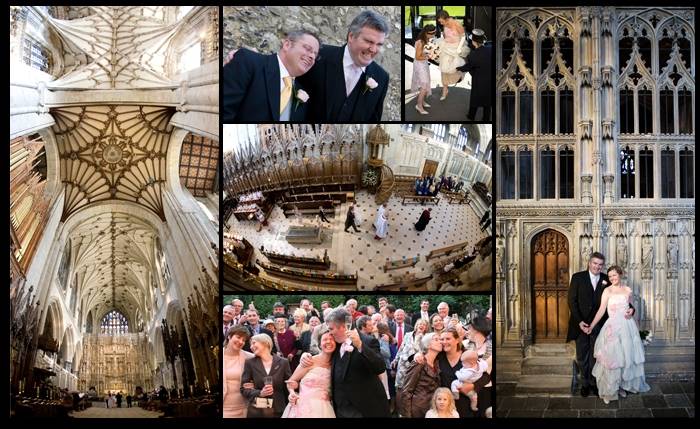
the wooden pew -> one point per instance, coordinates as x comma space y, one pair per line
299, 261
308, 276
445, 251
420, 199
404, 284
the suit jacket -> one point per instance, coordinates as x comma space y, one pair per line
354, 377
584, 302
416, 316
326, 87
253, 369
407, 327
252, 89
480, 65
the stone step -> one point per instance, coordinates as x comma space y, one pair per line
554, 350
540, 384
547, 365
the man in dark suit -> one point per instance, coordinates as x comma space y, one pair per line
424, 313
585, 292
355, 366
399, 326
263, 88
479, 64
346, 85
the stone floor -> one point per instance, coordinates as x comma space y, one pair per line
99, 411
665, 399
358, 252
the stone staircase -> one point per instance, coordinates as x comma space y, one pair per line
546, 369
670, 362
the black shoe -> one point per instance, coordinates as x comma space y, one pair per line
585, 391
594, 389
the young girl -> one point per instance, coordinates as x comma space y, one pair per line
442, 405
420, 82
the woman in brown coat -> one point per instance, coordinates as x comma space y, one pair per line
421, 380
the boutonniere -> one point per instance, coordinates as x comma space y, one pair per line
370, 84
604, 282
301, 96
347, 346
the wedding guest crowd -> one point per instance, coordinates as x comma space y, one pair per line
356, 361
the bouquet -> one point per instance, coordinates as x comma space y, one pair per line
432, 50
646, 337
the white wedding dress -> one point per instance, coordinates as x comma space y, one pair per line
619, 353
314, 396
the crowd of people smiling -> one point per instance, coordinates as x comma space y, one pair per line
356, 361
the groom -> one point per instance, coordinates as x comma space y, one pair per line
585, 292
355, 366
264, 88
346, 85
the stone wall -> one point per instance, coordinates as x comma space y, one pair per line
263, 27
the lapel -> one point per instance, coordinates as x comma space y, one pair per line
298, 112
272, 82
335, 80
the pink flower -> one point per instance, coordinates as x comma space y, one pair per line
370, 84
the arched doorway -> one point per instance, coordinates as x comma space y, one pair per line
550, 284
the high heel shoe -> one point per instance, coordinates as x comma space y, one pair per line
425, 104
443, 97
422, 112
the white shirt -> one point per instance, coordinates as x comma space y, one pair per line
424, 315
287, 112
351, 71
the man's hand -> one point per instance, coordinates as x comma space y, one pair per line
584, 326
629, 313
306, 360
418, 357
355, 338
290, 357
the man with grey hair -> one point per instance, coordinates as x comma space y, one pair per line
318, 332
346, 84
265, 88
355, 366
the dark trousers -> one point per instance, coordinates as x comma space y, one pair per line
472, 112
323, 217
350, 224
585, 345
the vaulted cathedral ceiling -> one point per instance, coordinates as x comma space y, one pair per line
112, 152
116, 48
114, 257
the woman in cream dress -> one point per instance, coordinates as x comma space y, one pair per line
453, 50
235, 405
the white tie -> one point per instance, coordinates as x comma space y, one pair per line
350, 80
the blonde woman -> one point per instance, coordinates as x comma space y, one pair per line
298, 328
409, 347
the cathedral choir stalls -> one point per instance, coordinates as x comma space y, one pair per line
306, 199
114, 210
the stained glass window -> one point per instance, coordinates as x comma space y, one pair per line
114, 323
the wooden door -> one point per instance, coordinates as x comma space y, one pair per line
430, 168
550, 285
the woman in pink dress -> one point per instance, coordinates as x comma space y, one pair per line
314, 398
235, 405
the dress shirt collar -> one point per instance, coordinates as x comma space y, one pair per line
347, 59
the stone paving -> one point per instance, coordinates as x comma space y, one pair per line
99, 411
665, 399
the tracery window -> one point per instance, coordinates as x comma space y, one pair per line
507, 174
114, 323
627, 173
547, 173
525, 173
668, 173
687, 176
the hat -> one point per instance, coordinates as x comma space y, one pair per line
267, 322
278, 304
477, 35
482, 325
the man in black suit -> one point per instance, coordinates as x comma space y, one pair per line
585, 292
355, 366
424, 313
263, 88
346, 85
479, 65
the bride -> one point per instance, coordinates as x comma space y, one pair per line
619, 353
314, 395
